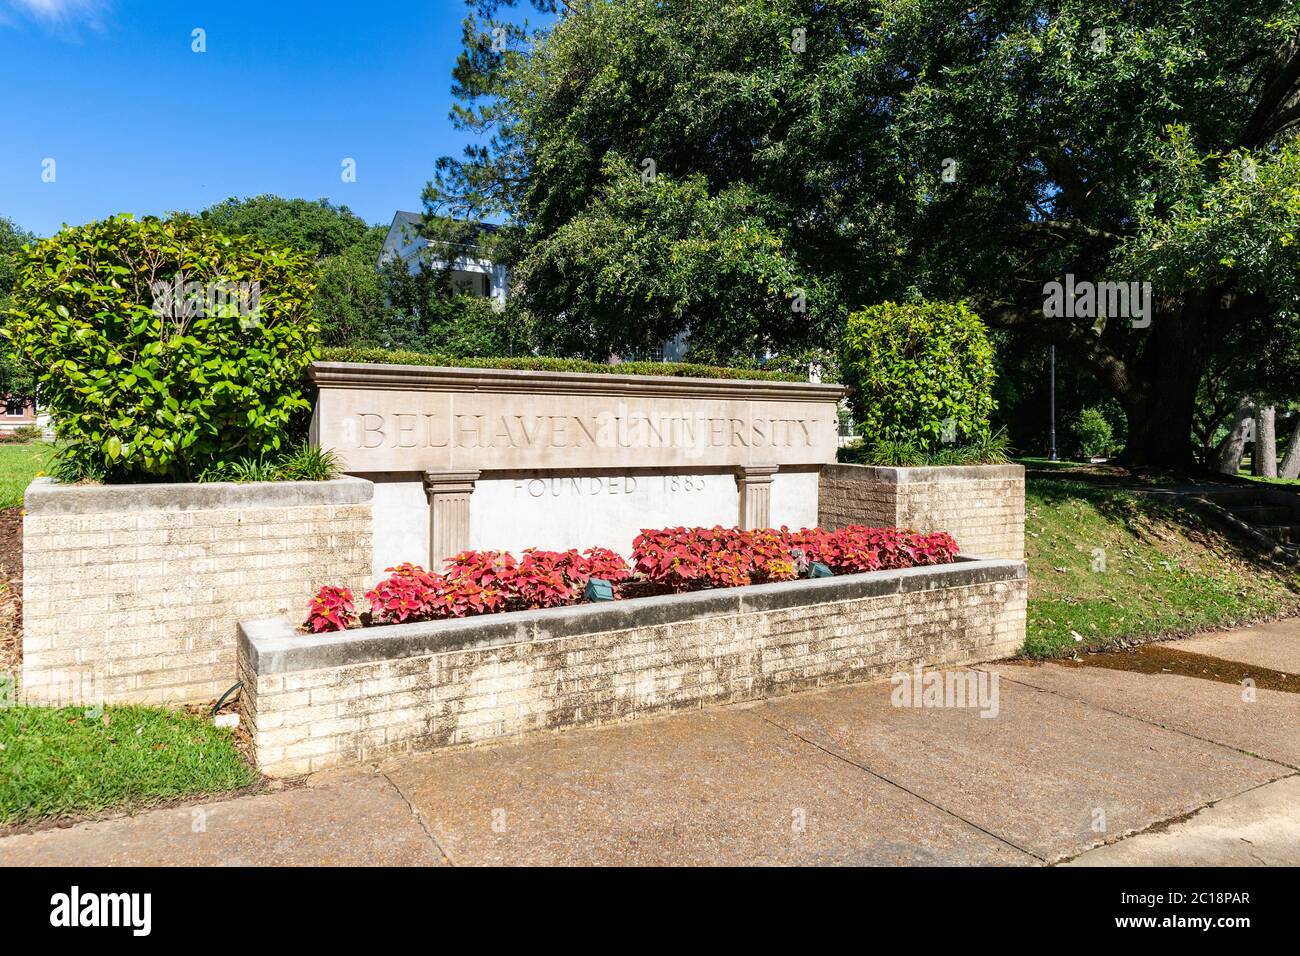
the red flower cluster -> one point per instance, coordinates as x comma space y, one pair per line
856, 548
683, 559
330, 610
689, 558
414, 594
481, 582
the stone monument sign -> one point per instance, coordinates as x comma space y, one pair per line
507, 459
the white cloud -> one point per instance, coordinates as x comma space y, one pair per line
60, 15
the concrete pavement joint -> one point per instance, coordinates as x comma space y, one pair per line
419, 818
881, 777
1160, 826
1143, 720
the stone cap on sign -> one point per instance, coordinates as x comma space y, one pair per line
45, 496
378, 418
933, 473
430, 378
274, 646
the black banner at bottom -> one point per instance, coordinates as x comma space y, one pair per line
263, 906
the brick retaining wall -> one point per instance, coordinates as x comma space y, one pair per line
134, 592
982, 506
316, 701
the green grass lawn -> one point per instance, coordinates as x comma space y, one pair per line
71, 761
1288, 482
1107, 564
19, 464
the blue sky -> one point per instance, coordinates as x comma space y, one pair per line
137, 122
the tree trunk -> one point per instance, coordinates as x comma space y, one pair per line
1291, 463
1234, 446
1160, 403
1159, 435
1157, 381
1158, 387
1265, 456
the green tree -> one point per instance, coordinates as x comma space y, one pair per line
351, 305
646, 261
920, 374
928, 148
318, 228
12, 238
1092, 433
351, 297
15, 375
424, 314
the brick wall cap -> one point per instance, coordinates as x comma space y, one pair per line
938, 473
45, 496
274, 646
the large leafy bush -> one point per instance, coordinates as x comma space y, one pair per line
1093, 434
921, 373
143, 392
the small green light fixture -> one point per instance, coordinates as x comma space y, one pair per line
819, 570
598, 589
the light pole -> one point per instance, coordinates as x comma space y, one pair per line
1051, 453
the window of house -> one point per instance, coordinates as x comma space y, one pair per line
652, 354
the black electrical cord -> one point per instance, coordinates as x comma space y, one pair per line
222, 699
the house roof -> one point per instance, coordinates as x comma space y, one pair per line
416, 219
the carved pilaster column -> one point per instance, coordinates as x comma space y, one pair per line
448, 493
755, 484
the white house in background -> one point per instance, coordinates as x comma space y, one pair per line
475, 275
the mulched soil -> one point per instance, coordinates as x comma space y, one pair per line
11, 588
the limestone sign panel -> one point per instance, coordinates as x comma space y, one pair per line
504, 460
410, 418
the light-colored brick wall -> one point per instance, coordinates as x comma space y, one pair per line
135, 593
316, 717
983, 507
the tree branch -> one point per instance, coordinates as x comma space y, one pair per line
1108, 366
1063, 226
1279, 97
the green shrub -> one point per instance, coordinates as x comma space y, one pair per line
143, 383
302, 463
994, 449
1093, 433
543, 364
920, 373
27, 433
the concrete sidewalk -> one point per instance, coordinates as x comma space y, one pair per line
1076, 761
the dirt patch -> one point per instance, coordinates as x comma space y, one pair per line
1163, 659
243, 741
11, 588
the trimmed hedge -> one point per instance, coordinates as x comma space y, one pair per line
921, 373
542, 364
163, 348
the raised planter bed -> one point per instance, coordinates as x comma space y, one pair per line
312, 701
982, 506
